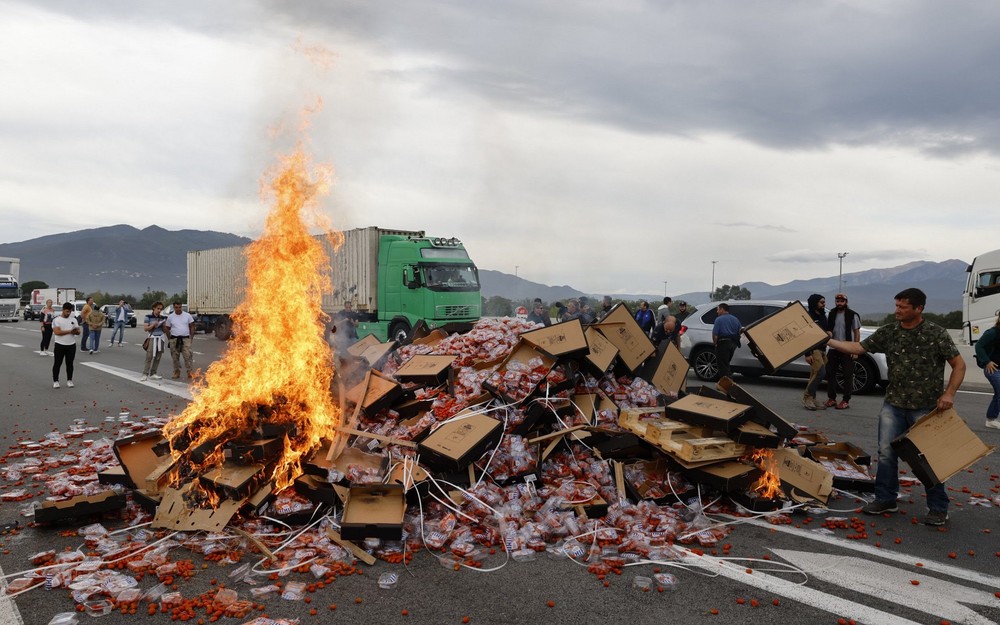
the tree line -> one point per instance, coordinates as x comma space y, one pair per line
144, 302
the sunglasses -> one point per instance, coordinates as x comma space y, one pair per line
840, 299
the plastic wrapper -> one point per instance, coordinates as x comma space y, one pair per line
294, 591
388, 580
65, 618
666, 581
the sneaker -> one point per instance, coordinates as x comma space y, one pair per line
809, 403
143, 379
46, 354
55, 385
96, 351
70, 384
830, 403
91, 351
880, 507
156, 377
843, 405
119, 345
936, 517
993, 423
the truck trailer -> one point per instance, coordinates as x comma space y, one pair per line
394, 280
59, 296
10, 290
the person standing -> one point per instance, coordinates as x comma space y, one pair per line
816, 358
587, 315
96, 320
538, 313
572, 310
726, 337
121, 318
605, 307
84, 340
682, 311
843, 325
664, 310
65, 327
916, 351
155, 325
47, 315
645, 318
180, 331
988, 359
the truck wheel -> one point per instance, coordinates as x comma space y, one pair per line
223, 329
400, 331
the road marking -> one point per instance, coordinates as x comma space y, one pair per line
11, 345
990, 581
180, 389
8, 609
937, 597
808, 596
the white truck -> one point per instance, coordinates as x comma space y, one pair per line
981, 298
10, 290
59, 296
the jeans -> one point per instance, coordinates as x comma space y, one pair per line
817, 371
993, 410
843, 362
95, 340
120, 331
892, 422
724, 351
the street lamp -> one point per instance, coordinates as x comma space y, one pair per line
516, 267
712, 294
840, 279
664, 288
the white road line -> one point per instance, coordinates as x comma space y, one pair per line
180, 389
991, 581
11, 345
8, 609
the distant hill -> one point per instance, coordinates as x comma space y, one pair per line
115, 259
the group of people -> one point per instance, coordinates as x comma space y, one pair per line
841, 324
175, 330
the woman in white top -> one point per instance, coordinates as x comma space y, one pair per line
65, 328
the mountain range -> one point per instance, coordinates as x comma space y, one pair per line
124, 259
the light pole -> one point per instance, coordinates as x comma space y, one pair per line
664, 288
516, 267
712, 294
840, 279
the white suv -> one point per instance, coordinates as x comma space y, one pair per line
870, 370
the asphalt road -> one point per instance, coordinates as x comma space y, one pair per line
869, 580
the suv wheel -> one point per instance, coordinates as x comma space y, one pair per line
865, 377
705, 364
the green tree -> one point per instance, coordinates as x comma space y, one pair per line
498, 306
147, 299
730, 292
31, 285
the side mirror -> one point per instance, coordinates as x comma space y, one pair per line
411, 278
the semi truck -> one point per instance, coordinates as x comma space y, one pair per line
10, 290
59, 296
395, 280
981, 298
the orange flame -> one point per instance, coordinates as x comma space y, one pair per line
279, 363
769, 484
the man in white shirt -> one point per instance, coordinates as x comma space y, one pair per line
65, 328
180, 333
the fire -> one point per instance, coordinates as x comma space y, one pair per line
769, 485
277, 370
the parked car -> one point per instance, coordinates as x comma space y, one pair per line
870, 370
109, 312
33, 311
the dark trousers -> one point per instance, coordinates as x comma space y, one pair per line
46, 336
839, 361
724, 351
85, 335
63, 351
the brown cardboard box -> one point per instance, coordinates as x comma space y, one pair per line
375, 392
714, 413
602, 351
783, 336
762, 414
426, 369
81, 505
460, 441
137, 455
361, 345
939, 445
374, 511
756, 435
850, 450
728, 476
622, 330
847, 473
668, 372
523, 353
560, 340
809, 479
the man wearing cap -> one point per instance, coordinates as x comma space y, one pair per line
843, 324
539, 314
682, 311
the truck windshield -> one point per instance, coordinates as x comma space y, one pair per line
9, 290
451, 277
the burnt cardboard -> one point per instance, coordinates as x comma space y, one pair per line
850, 450
756, 435
460, 441
234, 480
316, 490
428, 369
622, 330
718, 414
601, 353
807, 478
164, 474
252, 452
374, 511
762, 414
114, 475
754, 503
939, 445
847, 473
81, 505
523, 353
729, 476
138, 456
560, 340
783, 336
668, 371
174, 513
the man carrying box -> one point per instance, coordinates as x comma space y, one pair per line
916, 351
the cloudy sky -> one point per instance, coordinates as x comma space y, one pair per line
608, 145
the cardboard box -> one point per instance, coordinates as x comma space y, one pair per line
938, 446
809, 438
762, 414
114, 475
668, 372
756, 435
234, 480
320, 466
783, 336
622, 330
729, 476
460, 441
519, 388
361, 345
174, 513
602, 352
428, 369
376, 392
374, 511
714, 413
657, 480
560, 340
421, 336
850, 450
138, 456
807, 478
252, 452
847, 473
81, 505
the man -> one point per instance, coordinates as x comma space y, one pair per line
605, 307
664, 309
816, 358
346, 322
155, 325
726, 337
644, 317
682, 311
180, 333
587, 315
121, 318
572, 310
844, 325
65, 327
539, 314
916, 351
83, 322
95, 320
666, 333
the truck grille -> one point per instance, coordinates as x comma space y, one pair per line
7, 309
456, 312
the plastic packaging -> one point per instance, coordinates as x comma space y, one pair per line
225, 596
294, 591
666, 581
64, 618
642, 582
388, 580
98, 608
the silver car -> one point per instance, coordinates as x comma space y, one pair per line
870, 370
